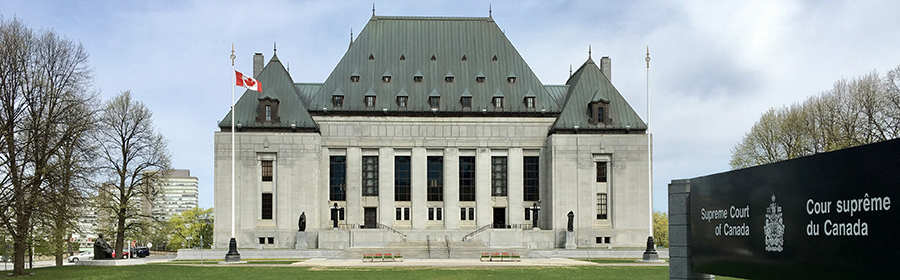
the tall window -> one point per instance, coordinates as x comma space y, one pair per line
401, 101
268, 113
466, 178
337, 178
402, 181
370, 175
601, 206
337, 101
601, 171
435, 178
266, 170
402, 214
498, 176
529, 102
498, 102
370, 101
267, 206
531, 182
466, 101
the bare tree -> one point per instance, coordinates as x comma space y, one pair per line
134, 157
43, 82
854, 112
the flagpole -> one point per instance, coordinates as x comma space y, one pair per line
232, 255
649, 145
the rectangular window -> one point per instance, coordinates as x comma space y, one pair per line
528, 213
498, 102
466, 102
271, 240
435, 178
498, 176
601, 206
370, 176
531, 180
402, 180
607, 239
435, 213
266, 206
601, 171
479, 80
337, 101
401, 101
268, 113
434, 102
466, 178
467, 213
337, 190
402, 213
370, 101
529, 102
266, 170
417, 79
600, 115
262, 240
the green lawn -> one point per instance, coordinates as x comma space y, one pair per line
167, 271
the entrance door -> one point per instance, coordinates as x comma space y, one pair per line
500, 217
371, 217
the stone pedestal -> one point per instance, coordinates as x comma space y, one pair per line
232, 256
301, 243
570, 240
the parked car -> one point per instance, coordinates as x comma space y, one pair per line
140, 252
124, 253
84, 255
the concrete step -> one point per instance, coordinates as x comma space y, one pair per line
438, 250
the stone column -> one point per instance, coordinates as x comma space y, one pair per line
515, 192
419, 178
353, 213
386, 213
451, 188
680, 231
484, 210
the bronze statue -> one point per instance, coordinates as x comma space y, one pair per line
102, 250
302, 222
571, 226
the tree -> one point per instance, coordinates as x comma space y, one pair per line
44, 82
854, 112
190, 227
661, 229
134, 157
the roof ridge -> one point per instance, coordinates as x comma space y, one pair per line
432, 18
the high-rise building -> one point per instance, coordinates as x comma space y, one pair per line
177, 192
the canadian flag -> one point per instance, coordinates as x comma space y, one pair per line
248, 82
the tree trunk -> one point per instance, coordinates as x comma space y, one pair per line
120, 233
19, 256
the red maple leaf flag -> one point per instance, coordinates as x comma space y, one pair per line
248, 82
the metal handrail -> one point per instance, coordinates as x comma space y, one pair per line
477, 231
392, 230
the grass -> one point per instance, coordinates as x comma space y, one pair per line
163, 271
249, 261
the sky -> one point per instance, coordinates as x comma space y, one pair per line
715, 66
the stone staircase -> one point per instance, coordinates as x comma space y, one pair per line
435, 249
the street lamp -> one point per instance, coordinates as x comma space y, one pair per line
334, 214
534, 216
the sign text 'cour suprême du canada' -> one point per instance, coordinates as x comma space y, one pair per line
819, 217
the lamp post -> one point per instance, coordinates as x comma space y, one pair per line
334, 214
534, 216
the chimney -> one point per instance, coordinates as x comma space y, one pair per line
257, 64
606, 68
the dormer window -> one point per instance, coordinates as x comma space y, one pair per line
494, 59
337, 101
511, 80
401, 101
402, 57
354, 79
267, 112
371, 57
417, 79
464, 58
434, 102
386, 79
448, 79
498, 102
600, 113
479, 80
370, 101
529, 102
466, 102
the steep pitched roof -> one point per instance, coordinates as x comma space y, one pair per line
277, 85
464, 48
588, 85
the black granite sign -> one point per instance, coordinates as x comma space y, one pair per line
828, 216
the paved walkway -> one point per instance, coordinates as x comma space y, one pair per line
459, 263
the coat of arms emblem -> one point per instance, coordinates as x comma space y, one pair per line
774, 228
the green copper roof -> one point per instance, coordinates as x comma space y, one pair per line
278, 85
438, 49
588, 85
